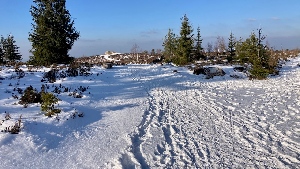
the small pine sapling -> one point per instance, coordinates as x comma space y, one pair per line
48, 101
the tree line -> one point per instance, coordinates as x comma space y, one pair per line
186, 48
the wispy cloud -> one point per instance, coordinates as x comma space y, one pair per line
149, 33
252, 19
275, 18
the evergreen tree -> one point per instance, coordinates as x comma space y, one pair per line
1, 51
53, 33
198, 46
263, 51
253, 51
231, 47
169, 45
238, 49
185, 43
9, 49
247, 50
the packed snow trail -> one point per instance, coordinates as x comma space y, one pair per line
217, 124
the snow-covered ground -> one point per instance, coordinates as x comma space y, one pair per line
148, 116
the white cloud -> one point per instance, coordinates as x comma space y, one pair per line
251, 19
275, 18
149, 33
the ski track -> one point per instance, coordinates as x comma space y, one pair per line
216, 124
148, 116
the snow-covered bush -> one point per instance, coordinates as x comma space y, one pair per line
13, 128
51, 75
20, 73
30, 96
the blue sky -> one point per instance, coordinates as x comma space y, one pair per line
118, 24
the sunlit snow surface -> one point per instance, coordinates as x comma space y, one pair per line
147, 116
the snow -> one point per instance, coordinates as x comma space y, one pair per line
148, 116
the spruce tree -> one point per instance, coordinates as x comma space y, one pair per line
263, 50
231, 47
1, 51
53, 33
169, 45
247, 50
9, 49
198, 46
1, 56
185, 42
238, 49
254, 52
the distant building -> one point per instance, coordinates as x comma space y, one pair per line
109, 52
